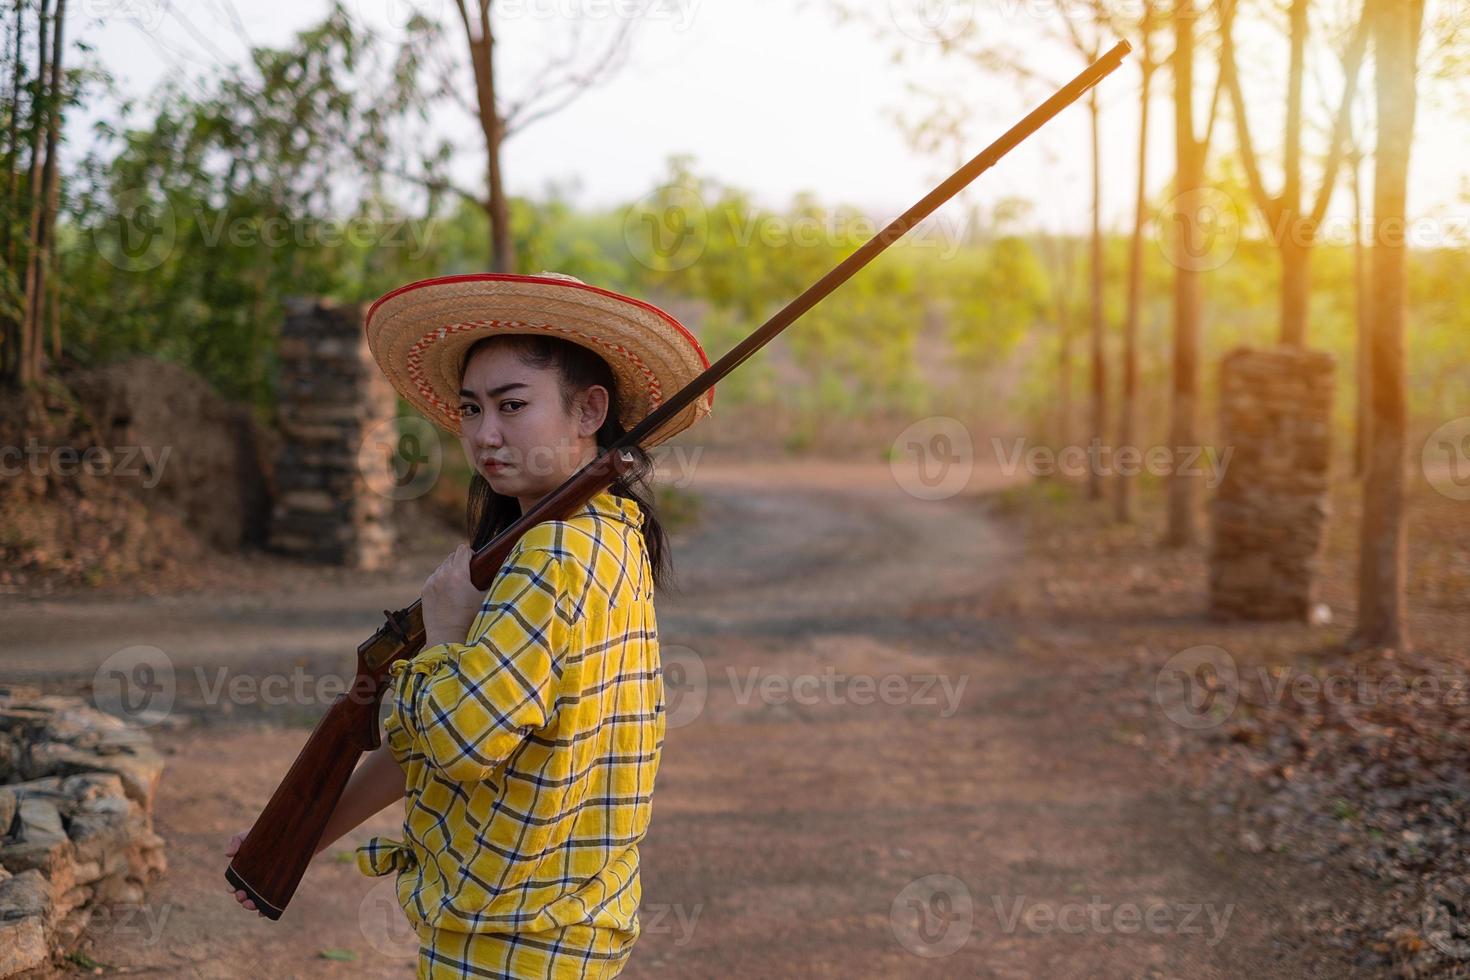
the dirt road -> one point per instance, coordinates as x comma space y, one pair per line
852, 786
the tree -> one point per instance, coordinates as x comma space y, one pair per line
11, 107
558, 82
9, 219
1381, 573
1059, 251
45, 228
1189, 181
1086, 40
232, 195
1127, 406
1080, 29
1355, 155
1187, 222
26, 346
1083, 33
31, 193
1293, 229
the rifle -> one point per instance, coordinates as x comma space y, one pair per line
283, 840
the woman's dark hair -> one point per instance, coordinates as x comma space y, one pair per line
488, 513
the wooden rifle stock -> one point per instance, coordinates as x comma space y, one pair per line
274, 855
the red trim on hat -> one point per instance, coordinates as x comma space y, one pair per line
508, 277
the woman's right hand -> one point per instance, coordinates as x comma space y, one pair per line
239, 893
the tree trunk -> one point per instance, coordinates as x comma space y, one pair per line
1296, 280
1381, 570
1127, 407
1361, 435
1293, 229
1099, 364
492, 127
54, 306
1293, 243
1189, 156
1062, 294
10, 357
1064, 369
50, 188
33, 232
502, 245
12, 135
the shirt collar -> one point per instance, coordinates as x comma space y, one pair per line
608, 505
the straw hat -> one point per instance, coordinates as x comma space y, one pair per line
419, 334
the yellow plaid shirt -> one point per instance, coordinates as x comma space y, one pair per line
530, 752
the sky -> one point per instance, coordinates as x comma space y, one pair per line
774, 96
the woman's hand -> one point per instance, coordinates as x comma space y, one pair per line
239, 894
450, 600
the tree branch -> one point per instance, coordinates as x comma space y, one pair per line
1270, 206
1214, 114
437, 184
1352, 68
558, 93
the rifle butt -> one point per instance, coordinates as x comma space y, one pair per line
274, 856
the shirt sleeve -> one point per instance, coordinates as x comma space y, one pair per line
465, 707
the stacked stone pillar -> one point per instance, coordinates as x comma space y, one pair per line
1270, 511
334, 403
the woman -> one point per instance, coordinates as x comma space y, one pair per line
526, 734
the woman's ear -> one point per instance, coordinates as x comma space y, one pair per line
591, 406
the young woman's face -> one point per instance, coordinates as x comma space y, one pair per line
514, 429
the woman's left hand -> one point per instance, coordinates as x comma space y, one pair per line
450, 600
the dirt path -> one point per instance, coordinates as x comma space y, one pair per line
851, 785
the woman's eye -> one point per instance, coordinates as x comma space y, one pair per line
511, 405
464, 410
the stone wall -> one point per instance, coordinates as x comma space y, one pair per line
333, 401
76, 811
1270, 511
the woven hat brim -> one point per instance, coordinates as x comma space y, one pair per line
419, 334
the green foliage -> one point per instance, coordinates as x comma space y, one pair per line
999, 303
183, 237
184, 232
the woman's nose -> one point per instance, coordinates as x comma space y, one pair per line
486, 435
